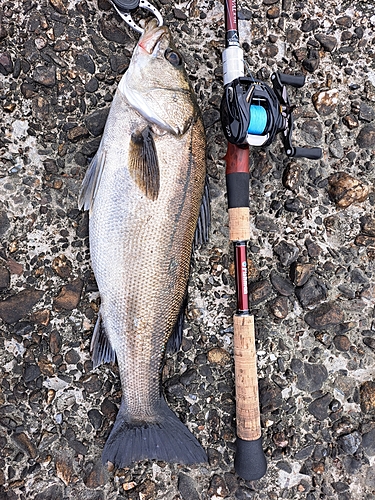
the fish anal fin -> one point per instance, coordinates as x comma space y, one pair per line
101, 349
143, 163
175, 340
204, 218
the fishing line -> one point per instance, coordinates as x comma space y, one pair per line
258, 120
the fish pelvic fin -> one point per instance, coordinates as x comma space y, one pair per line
204, 218
164, 438
91, 181
143, 163
101, 349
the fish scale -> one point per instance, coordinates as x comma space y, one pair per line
141, 237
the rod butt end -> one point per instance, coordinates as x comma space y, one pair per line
250, 462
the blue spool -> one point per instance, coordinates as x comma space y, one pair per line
258, 120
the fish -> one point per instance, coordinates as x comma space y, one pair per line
147, 194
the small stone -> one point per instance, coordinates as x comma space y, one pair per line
186, 487
336, 149
41, 317
270, 396
31, 372
281, 284
292, 176
304, 453
24, 443
279, 307
266, 224
219, 356
366, 112
273, 12
369, 342
286, 252
85, 62
95, 122
98, 476
327, 42
62, 266
77, 133
109, 409
366, 137
324, 316
92, 85
349, 443
113, 33
64, 466
18, 306
345, 189
320, 407
367, 396
45, 75
4, 278
59, 5
342, 343
72, 357
325, 102
350, 121
179, 14
368, 225
259, 291
310, 376
4, 222
6, 64
55, 342
312, 132
309, 25
280, 439
69, 295
313, 249
345, 21
96, 418
312, 292
51, 493
368, 442
218, 488
292, 35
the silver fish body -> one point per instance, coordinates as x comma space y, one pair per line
144, 191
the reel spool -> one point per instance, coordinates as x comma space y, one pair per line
253, 113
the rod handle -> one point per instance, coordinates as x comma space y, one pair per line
247, 400
297, 81
311, 153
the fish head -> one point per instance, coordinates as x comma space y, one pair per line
156, 83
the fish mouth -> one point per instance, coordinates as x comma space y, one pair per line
152, 35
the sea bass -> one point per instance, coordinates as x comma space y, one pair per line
144, 190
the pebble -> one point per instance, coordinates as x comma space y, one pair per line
281, 284
310, 376
279, 307
95, 122
259, 291
300, 273
367, 396
366, 112
286, 252
325, 102
270, 397
69, 295
342, 343
319, 408
325, 316
64, 466
328, 42
366, 137
368, 442
62, 266
97, 476
186, 487
292, 176
4, 222
4, 278
345, 189
6, 63
219, 356
45, 75
23, 442
18, 306
218, 488
349, 443
311, 293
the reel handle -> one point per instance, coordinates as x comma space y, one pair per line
296, 81
310, 153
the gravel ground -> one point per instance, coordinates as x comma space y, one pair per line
311, 258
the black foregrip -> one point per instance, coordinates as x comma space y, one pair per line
311, 153
238, 189
250, 462
297, 81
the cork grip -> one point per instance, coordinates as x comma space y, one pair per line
239, 224
247, 398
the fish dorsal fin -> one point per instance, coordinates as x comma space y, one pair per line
91, 181
204, 219
101, 349
143, 163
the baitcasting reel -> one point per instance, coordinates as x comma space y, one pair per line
253, 113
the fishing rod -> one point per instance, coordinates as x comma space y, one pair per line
252, 113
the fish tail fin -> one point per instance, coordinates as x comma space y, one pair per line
164, 438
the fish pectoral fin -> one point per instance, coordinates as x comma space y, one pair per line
101, 349
91, 181
204, 218
143, 163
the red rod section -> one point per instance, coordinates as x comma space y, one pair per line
241, 277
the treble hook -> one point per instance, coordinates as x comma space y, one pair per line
124, 8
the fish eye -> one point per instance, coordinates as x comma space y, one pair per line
173, 57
